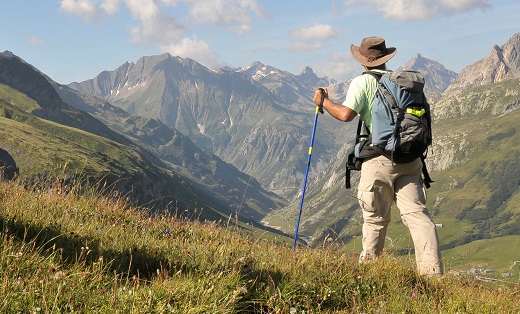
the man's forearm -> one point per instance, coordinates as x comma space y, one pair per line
338, 111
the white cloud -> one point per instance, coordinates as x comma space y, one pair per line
406, 10
143, 9
90, 9
169, 2
110, 7
314, 37
155, 23
456, 6
195, 49
34, 41
233, 14
341, 66
86, 9
154, 26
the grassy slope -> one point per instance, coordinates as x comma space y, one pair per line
42, 148
482, 254
82, 252
53, 143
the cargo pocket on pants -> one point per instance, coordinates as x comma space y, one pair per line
366, 197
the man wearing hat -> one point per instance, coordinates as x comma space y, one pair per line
383, 181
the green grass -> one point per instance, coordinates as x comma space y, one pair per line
71, 249
481, 253
13, 96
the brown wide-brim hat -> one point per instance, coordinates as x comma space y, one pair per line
372, 51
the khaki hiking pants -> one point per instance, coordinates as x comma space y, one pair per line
382, 182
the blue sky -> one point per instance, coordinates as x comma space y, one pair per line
74, 40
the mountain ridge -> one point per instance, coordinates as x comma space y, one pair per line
208, 172
227, 113
437, 77
22, 76
501, 63
231, 113
160, 187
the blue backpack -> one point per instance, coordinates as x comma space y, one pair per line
401, 123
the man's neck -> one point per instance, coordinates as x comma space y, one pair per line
378, 68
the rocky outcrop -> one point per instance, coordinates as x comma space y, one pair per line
8, 168
502, 62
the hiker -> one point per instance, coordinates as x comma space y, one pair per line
382, 180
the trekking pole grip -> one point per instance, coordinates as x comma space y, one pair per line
322, 100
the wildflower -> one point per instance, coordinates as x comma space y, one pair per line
59, 274
415, 292
240, 290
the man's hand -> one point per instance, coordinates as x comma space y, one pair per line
318, 95
338, 111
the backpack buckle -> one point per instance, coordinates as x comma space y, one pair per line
416, 112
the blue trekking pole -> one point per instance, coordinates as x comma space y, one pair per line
319, 109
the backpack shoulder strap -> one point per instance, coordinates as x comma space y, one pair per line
376, 75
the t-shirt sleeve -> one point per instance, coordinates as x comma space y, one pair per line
356, 97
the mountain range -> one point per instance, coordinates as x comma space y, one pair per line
254, 118
30, 102
234, 142
234, 190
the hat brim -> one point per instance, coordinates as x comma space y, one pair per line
364, 61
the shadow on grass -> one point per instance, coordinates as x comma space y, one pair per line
145, 265
76, 249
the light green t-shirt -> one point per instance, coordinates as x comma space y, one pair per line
360, 96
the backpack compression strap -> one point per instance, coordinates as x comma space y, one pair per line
427, 179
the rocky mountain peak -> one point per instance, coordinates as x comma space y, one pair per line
307, 71
308, 74
16, 73
511, 52
7, 54
419, 60
259, 71
437, 77
501, 62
